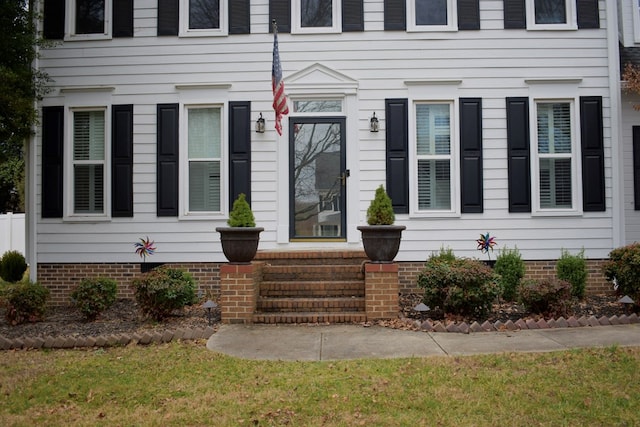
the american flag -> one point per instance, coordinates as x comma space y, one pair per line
279, 98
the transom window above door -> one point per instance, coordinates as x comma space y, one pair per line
316, 16
317, 106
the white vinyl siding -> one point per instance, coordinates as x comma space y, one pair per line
204, 159
88, 162
316, 16
434, 156
555, 156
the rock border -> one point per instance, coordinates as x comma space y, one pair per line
109, 340
520, 324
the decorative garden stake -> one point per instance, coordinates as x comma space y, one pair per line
486, 243
144, 248
209, 305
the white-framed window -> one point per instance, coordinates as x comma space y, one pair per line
431, 15
203, 160
316, 16
89, 19
636, 20
555, 157
89, 172
435, 158
203, 17
551, 15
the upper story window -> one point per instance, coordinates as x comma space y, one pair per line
316, 16
428, 15
203, 17
551, 14
88, 162
87, 19
555, 157
434, 156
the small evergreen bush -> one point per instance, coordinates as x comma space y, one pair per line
12, 266
380, 211
573, 269
94, 295
510, 267
546, 297
241, 214
624, 266
163, 290
458, 285
25, 302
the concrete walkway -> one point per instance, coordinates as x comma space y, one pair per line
334, 342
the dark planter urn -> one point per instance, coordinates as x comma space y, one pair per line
239, 244
381, 242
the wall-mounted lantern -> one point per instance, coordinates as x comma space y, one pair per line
374, 125
260, 124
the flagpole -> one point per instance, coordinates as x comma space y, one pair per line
279, 97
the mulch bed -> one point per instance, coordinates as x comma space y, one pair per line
125, 317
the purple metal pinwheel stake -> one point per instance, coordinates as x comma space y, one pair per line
486, 243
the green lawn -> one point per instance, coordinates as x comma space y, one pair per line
185, 384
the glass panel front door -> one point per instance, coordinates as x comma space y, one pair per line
318, 178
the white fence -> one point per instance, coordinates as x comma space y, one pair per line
12, 233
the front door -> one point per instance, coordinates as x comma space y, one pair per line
318, 177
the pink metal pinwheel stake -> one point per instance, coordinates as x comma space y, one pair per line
144, 248
486, 243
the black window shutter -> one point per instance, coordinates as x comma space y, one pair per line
515, 16
591, 131
122, 18
471, 155
239, 150
239, 17
167, 155
280, 10
588, 14
397, 153
636, 168
395, 15
53, 19
468, 14
352, 15
52, 161
168, 11
122, 161
519, 166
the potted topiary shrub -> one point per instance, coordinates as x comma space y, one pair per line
380, 238
240, 239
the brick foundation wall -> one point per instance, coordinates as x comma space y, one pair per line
61, 279
381, 295
596, 282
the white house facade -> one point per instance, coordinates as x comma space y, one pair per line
499, 116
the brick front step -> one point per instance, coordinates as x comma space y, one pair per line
351, 288
290, 305
309, 317
299, 273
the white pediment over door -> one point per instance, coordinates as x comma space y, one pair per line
319, 79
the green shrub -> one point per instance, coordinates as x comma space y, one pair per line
163, 290
624, 266
12, 266
24, 302
380, 211
573, 269
458, 285
241, 214
547, 297
510, 267
94, 295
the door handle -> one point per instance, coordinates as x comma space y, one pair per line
344, 176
